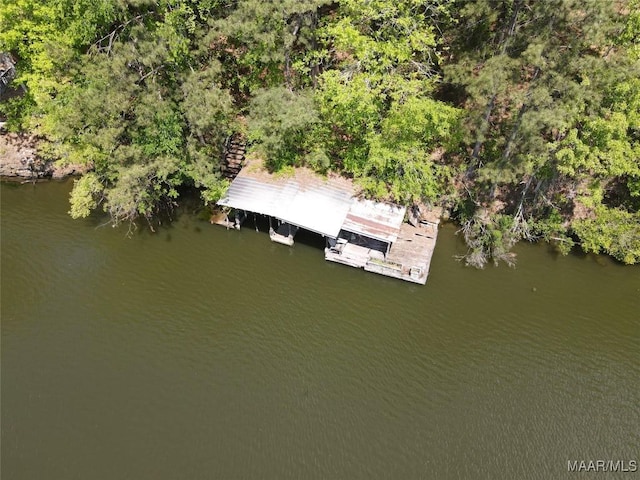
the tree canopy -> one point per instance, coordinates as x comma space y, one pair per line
520, 117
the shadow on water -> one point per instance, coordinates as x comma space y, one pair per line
575, 252
553, 251
188, 213
260, 223
310, 239
599, 259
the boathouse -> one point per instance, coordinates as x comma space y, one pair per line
360, 233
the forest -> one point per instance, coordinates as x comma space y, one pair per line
521, 118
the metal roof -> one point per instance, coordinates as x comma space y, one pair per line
377, 220
320, 207
323, 206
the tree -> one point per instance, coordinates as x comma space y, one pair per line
47, 37
210, 114
259, 42
613, 231
401, 164
534, 88
278, 119
378, 121
145, 125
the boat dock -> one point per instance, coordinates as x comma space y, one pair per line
359, 233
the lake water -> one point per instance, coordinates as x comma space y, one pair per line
202, 353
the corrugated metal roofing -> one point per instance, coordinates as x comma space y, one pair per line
377, 220
320, 207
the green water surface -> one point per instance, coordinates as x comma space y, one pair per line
202, 353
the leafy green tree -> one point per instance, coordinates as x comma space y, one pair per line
350, 110
401, 164
613, 231
278, 119
47, 37
534, 89
211, 117
260, 42
378, 122
146, 127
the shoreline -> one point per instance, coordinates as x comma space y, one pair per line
445, 221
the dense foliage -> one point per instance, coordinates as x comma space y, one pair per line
520, 117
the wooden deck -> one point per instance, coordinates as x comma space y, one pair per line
413, 250
408, 259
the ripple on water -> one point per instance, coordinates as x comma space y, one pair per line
191, 350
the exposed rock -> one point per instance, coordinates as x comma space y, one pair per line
19, 158
63, 171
